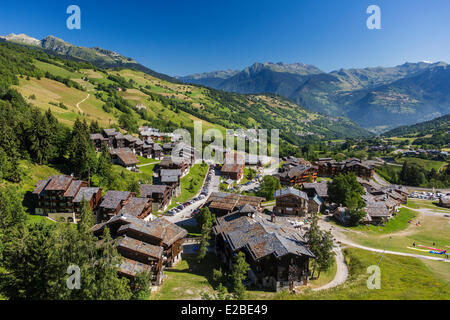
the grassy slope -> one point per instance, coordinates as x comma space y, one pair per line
188, 279
432, 230
426, 164
402, 278
222, 110
48, 91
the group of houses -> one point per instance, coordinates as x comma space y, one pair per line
147, 243
62, 196
296, 171
381, 203
328, 167
421, 152
124, 149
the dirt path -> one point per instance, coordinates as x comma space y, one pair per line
148, 164
341, 272
78, 104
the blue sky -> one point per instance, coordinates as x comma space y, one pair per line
182, 37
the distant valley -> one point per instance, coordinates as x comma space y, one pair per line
378, 98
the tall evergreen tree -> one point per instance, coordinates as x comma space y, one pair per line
82, 157
239, 274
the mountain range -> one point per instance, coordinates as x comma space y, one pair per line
101, 58
379, 98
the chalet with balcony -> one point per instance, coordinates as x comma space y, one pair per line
329, 168
171, 178
168, 163
56, 194
160, 195
291, 201
140, 208
297, 175
145, 245
277, 253
92, 195
233, 167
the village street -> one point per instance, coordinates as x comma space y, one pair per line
184, 216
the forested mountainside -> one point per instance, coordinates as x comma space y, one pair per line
129, 98
438, 125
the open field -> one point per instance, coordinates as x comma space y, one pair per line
433, 229
188, 279
426, 164
402, 278
428, 204
47, 91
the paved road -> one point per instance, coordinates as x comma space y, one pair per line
184, 216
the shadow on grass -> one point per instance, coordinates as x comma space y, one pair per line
204, 268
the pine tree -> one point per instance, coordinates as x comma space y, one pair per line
82, 157
321, 244
239, 274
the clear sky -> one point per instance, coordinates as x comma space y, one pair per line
182, 37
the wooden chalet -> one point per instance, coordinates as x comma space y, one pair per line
317, 188
233, 167
145, 245
112, 203
172, 179
140, 208
277, 253
160, 195
291, 201
57, 194
124, 157
297, 175
222, 203
92, 195
330, 168
169, 163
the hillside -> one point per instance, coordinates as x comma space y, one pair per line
435, 126
99, 57
377, 98
130, 98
